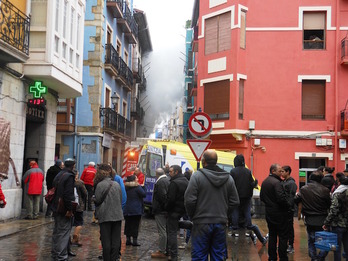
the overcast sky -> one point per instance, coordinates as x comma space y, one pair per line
165, 77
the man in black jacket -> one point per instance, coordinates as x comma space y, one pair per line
52, 172
245, 185
290, 191
175, 207
63, 210
274, 197
315, 199
158, 209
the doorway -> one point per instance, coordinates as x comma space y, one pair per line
307, 166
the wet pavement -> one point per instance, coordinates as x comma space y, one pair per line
31, 240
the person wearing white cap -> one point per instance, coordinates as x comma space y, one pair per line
87, 177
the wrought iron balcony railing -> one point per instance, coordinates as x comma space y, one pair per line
116, 7
14, 26
112, 57
115, 122
134, 27
126, 73
127, 14
135, 108
137, 70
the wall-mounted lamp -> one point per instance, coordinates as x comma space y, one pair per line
114, 100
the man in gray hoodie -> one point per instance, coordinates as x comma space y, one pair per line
209, 199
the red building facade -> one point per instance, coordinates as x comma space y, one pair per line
273, 76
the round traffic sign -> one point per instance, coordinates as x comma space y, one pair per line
200, 124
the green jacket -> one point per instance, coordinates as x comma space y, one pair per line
338, 214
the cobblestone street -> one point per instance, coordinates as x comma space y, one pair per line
35, 243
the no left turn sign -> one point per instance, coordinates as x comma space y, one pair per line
200, 124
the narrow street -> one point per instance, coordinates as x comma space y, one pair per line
35, 243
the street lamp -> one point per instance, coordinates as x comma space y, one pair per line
144, 132
114, 101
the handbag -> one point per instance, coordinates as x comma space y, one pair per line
52, 192
50, 195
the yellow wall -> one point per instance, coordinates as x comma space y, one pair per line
20, 4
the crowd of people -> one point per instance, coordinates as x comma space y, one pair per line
322, 203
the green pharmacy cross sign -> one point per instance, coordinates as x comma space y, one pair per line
37, 89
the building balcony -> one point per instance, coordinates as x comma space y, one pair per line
14, 34
344, 51
137, 71
129, 25
114, 123
116, 7
66, 115
125, 76
136, 110
112, 60
143, 83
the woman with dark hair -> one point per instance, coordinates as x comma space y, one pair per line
133, 210
108, 201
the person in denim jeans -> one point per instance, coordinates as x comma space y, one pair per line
338, 216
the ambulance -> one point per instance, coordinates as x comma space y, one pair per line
153, 154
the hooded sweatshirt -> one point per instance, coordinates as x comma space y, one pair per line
210, 196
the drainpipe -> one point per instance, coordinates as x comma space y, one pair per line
28, 8
76, 152
336, 154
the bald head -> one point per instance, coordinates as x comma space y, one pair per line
209, 158
159, 172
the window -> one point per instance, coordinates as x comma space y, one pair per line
124, 109
155, 162
107, 97
218, 33
64, 50
56, 44
314, 30
217, 99
78, 32
241, 100
313, 100
118, 46
56, 26
126, 57
77, 61
71, 53
108, 35
65, 18
72, 25
242, 40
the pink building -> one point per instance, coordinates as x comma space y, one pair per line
273, 76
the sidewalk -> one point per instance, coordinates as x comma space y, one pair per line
14, 226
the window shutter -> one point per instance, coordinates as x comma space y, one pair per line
242, 30
224, 41
217, 97
211, 33
314, 21
313, 100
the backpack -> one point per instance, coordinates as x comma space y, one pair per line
5, 158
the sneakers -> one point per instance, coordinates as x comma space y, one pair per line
158, 254
265, 240
290, 249
235, 233
253, 238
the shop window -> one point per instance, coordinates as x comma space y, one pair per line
313, 100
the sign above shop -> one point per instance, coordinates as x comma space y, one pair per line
37, 89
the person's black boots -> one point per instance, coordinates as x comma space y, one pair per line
135, 241
128, 241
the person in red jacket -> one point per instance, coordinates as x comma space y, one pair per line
2, 199
87, 177
33, 180
140, 176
